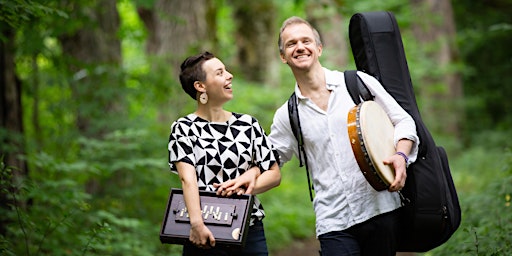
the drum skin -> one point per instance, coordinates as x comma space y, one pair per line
371, 137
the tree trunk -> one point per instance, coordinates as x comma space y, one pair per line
176, 29
256, 39
93, 52
12, 144
441, 89
326, 17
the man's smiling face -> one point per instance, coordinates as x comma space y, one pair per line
300, 50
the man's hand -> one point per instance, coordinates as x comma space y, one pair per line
398, 163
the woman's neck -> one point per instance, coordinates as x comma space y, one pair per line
212, 114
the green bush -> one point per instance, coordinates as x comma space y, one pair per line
110, 198
484, 182
109, 202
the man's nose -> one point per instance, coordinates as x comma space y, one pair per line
300, 46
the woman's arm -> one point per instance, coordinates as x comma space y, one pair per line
200, 235
251, 182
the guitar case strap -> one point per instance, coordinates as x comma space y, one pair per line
356, 87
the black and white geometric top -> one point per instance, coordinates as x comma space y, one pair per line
221, 151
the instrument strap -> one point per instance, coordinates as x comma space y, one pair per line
293, 114
356, 87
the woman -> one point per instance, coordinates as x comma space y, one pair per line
216, 150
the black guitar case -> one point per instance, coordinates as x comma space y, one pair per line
433, 213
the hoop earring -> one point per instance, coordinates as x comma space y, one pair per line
203, 98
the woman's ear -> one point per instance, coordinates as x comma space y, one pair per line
200, 87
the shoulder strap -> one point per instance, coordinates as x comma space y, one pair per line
293, 114
356, 87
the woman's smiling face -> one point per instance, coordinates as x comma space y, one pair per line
218, 81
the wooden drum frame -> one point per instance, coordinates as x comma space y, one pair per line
371, 137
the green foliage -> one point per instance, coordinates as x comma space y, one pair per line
18, 12
484, 42
289, 211
98, 205
395, 6
258, 100
106, 195
483, 178
42, 213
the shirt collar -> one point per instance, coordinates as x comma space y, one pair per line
331, 78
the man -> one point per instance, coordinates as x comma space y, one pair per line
351, 217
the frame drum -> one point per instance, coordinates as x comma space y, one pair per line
371, 136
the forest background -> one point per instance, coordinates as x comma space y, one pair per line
89, 90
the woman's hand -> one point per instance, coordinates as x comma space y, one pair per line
243, 184
201, 236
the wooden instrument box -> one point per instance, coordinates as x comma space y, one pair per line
227, 218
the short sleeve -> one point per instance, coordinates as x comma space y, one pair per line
180, 146
264, 154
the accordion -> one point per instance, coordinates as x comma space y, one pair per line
228, 218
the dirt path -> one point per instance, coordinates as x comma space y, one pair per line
307, 247
311, 247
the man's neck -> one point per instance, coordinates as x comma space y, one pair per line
312, 85
311, 81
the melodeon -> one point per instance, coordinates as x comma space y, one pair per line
371, 137
227, 218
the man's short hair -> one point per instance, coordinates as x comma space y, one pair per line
296, 20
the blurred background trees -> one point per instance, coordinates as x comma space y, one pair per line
89, 89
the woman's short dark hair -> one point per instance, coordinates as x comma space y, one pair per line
192, 71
